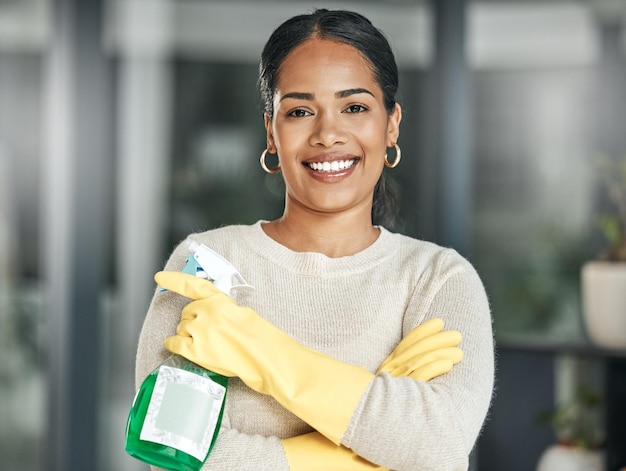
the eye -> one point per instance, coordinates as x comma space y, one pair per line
355, 109
299, 113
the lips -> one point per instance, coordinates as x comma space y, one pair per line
331, 166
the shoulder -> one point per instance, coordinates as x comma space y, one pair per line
432, 268
226, 232
426, 255
225, 240
225, 236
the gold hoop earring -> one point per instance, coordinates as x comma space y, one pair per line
265, 167
397, 160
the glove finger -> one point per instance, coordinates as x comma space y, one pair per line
404, 369
184, 347
449, 338
178, 344
188, 314
428, 328
431, 370
205, 307
420, 332
452, 354
446, 339
185, 284
183, 328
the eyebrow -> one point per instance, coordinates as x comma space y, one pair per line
352, 91
297, 96
340, 94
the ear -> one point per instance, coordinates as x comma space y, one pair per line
271, 148
393, 125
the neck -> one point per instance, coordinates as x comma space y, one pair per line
332, 235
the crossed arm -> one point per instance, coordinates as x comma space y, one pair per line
213, 328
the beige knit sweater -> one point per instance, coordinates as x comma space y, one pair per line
355, 309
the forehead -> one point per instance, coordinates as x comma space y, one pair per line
327, 64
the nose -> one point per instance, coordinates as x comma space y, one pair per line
328, 130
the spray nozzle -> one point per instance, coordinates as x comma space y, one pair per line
216, 268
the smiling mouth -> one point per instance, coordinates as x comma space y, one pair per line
329, 167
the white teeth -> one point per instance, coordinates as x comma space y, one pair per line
333, 166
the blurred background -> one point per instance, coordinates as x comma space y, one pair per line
125, 125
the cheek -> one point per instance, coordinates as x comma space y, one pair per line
285, 149
284, 137
377, 147
375, 133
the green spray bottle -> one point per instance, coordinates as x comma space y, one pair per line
176, 415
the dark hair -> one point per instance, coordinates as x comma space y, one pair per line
355, 30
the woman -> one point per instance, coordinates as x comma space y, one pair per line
336, 293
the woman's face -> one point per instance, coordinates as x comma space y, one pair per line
330, 127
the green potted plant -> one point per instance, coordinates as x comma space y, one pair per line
613, 224
604, 279
578, 428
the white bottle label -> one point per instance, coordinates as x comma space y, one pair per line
183, 411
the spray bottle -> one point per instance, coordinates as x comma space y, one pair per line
176, 415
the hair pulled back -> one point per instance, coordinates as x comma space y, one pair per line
338, 25
349, 28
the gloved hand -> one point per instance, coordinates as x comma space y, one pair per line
425, 353
235, 341
314, 452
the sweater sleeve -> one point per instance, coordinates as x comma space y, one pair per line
406, 425
232, 450
235, 450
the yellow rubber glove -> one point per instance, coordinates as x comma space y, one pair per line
425, 353
235, 341
314, 452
